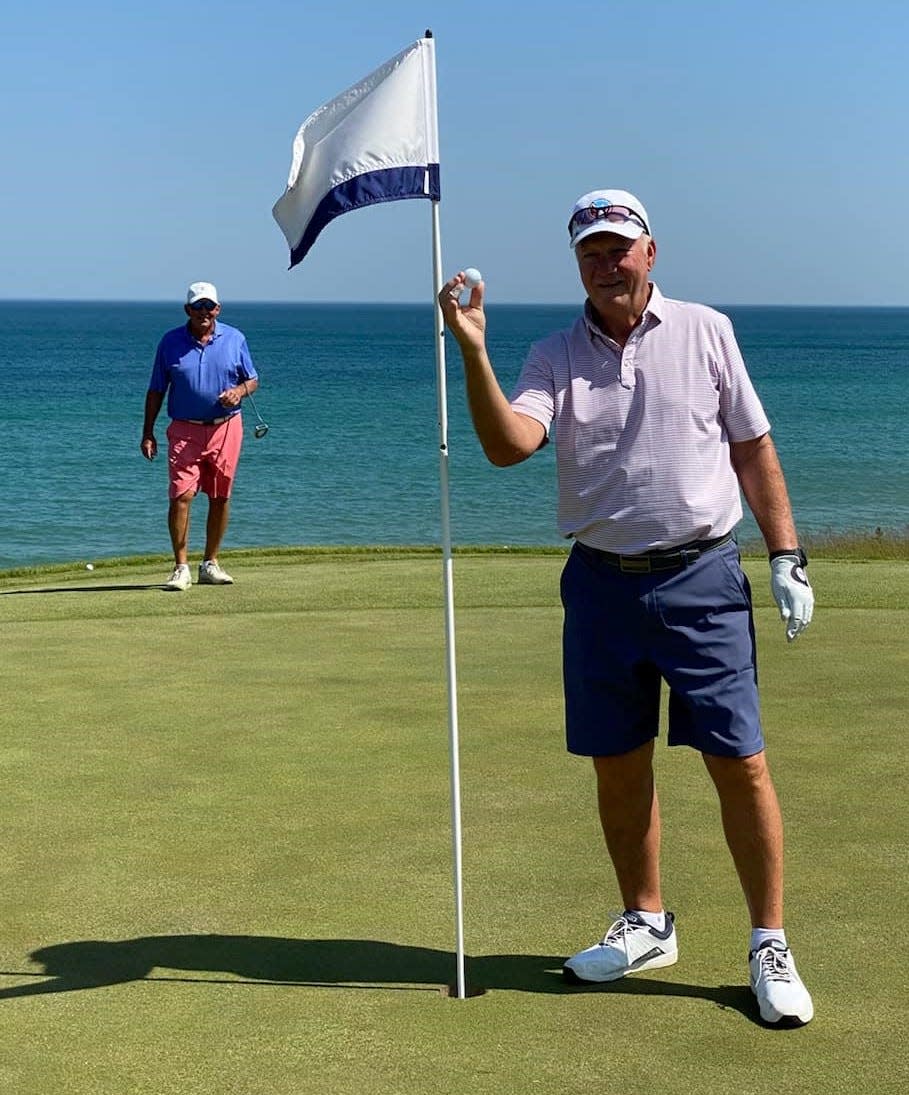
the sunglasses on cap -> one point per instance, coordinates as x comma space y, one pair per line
602, 210
203, 306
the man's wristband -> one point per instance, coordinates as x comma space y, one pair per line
797, 551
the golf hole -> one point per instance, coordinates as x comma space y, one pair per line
451, 991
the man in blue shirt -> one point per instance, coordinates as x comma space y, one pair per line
205, 369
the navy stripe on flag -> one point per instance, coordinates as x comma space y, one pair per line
391, 184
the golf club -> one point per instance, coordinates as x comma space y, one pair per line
261, 428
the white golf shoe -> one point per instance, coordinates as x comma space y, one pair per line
782, 997
210, 574
630, 945
180, 579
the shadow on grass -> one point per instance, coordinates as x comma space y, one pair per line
84, 589
326, 963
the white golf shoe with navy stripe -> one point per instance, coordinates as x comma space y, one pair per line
629, 946
782, 997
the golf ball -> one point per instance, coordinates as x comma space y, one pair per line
89, 566
472, 277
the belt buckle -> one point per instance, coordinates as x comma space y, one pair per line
628, 564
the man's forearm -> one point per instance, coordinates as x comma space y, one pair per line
762, 481
153, 401
506, 436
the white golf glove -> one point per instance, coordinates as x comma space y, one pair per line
792, 591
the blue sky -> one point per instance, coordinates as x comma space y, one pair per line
144, 145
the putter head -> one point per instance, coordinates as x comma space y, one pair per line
260, 431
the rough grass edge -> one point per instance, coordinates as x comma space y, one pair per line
846, 547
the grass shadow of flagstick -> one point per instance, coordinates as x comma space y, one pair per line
348, 963
84, 589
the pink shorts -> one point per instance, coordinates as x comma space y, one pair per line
203, 457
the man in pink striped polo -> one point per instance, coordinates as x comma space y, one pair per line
658, 429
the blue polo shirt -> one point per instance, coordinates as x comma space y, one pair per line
194, 375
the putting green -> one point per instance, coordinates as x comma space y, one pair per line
227, 856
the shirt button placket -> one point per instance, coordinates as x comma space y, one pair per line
626, 364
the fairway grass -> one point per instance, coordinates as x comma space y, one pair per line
226, 837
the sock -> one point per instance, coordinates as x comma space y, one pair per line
759, 936
652, 919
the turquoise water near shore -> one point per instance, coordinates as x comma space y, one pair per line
351, 457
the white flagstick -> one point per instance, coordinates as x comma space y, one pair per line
451, 671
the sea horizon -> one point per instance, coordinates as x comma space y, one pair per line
316, 302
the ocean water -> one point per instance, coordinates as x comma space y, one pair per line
349, 393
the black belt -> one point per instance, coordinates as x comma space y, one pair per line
650, 561
208, 421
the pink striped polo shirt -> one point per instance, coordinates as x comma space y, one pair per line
642, 431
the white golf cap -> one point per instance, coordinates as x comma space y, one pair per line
591, 213
202, 290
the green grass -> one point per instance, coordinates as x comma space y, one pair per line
227, 860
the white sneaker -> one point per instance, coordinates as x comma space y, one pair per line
629, 945
781, 994
180, 579
210, 574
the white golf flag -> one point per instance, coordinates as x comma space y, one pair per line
376, 142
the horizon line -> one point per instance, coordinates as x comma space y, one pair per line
407, 303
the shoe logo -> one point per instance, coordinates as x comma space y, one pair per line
654, 952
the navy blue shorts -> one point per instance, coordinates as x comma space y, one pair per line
625, 633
